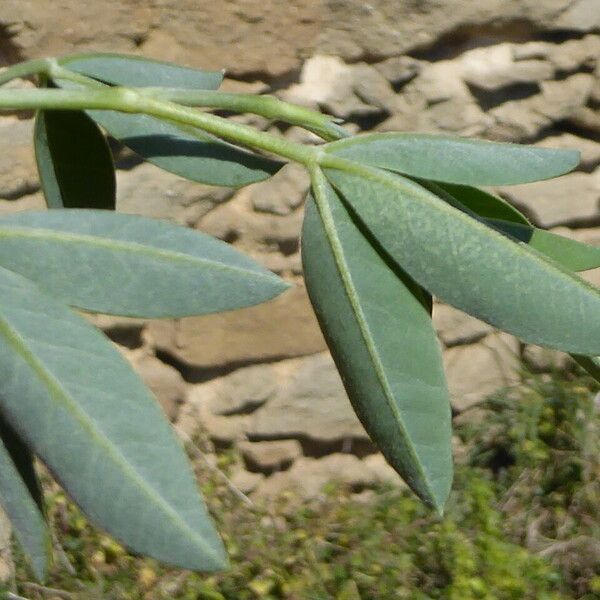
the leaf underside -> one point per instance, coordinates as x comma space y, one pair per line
498, 214
183, 150
137, 71
456, 160
76, 402
21, 499
74, 161
129, 265
568, 253
471, 266
378, 327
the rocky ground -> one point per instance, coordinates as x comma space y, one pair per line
260, 380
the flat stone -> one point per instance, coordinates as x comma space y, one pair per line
30, 202
382, 470
238, 222
399, 70
372, 87
282, 193
456, 327
325, 81
493, 67
18, 171
125, 331
150, 191
532, 50
440, 81
311, 403
542, 360
240, 392
165, 382
581, 15
585, 118
307, 477
270, 455
476, 371
560, 99
283, 327
573, 199
516, 120
245, 481
576, 54
195, 415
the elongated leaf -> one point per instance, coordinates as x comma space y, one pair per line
20, 497
456, 160
471, 266
75, 401
172, 148
590, 363
188, 152
484, 204
571, 254
137, 71
130, 265
378, 328
74, 161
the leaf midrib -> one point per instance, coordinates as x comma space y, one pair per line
339, 256
123, 246
58, 392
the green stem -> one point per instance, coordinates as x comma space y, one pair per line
26, 69
129, 101
265, 106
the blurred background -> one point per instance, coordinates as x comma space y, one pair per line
308, 508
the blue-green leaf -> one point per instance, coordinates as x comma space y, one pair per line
21, 499
76, 402
137, 71
456, 160
496, 213
377, 324
483, 203
473, 267
590, 363
570, 254
129, 265
185, 151
74, 161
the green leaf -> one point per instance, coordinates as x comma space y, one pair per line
74, 161
456, 160
378, 327
129, 265
21, 499
570, 254
473, 267
590, 363
137, 71
185, 151
86, 414
484, 204
190, 154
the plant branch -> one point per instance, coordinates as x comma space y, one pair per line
265, 106
129, 101
26, 69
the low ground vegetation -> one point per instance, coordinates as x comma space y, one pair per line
525, 524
